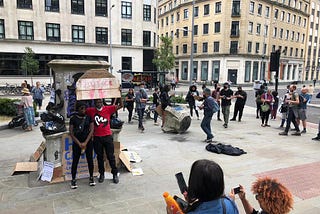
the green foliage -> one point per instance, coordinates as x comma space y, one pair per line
29, 64
164, 58
7, 107
178, 99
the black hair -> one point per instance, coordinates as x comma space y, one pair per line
206, 181
166, 88
80, 104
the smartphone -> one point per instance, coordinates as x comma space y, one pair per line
181, 182
236, 190
182, 203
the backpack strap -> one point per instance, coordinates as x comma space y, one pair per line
223, 205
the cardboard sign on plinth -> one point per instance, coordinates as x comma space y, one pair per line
97, 84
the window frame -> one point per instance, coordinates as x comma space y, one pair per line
218, 8
101, 8
53, 27
24, 4
2, 26
147, 13
126, 37
126, 10
147, 38
26, 25
77, 7
101, 35
78, 29
53, 7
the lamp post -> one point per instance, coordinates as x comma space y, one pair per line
110, 36
192, 38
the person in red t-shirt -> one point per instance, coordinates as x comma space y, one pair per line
102, 136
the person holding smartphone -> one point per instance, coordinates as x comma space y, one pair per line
205, 193
272, 196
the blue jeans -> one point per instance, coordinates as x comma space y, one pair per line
140, 112
206, 125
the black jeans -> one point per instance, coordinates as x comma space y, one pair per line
265, 117
76, 151
238, 108
106, 143
140, 112
130, 110
291, 118
192, 107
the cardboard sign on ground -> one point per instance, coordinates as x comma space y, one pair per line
37, 154
23, 167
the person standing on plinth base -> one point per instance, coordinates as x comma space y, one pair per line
102, 136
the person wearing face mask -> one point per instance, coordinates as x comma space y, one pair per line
239, 105
226, 94
102, 136
216, 96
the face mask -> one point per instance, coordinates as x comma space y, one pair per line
225, 87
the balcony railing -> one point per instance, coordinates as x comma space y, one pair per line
235, 12
233, 50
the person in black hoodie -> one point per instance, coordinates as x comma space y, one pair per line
191, 101
240, 102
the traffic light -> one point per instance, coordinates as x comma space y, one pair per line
274, 61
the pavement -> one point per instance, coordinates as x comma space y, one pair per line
294, 160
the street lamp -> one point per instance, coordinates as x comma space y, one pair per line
192, 38
110, 35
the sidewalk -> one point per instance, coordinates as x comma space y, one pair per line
293, 160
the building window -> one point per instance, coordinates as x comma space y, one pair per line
78, 34
258, 29
255, 70
215, 70
185, 13
288, 17
2, 32
251, 7
184, 48
259, 9
167, 20
178, 16
126, 37
236, 8
24, 4
276, 13
126, 10
195, 70
233, 47
218, 7
77, 6
147, 13
184, 68
206, 9
250, 27
266, 29
196, 11
235, 28
147, 38
155, 15
185, 31
195, 48
126, 63
216, 47
25, 30
281, 33
1, 3
275, 29
267, 12
52, 5
282, 15
247, 73
204, 70
195, 30
205, 47
101, 8
172, 18
249, 47
217, 27
177, 49
205, 28
53, 32
257, 47
101, 35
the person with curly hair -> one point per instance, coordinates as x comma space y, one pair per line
273, 197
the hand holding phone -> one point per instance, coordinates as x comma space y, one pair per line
181, 182
236, 190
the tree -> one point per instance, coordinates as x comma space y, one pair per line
164, 58
29, 64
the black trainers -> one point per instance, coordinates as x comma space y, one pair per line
91, 182
303, 131
101, 179
74, 184
297, 133
233, 119
316, 138
115, 179
283, 133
